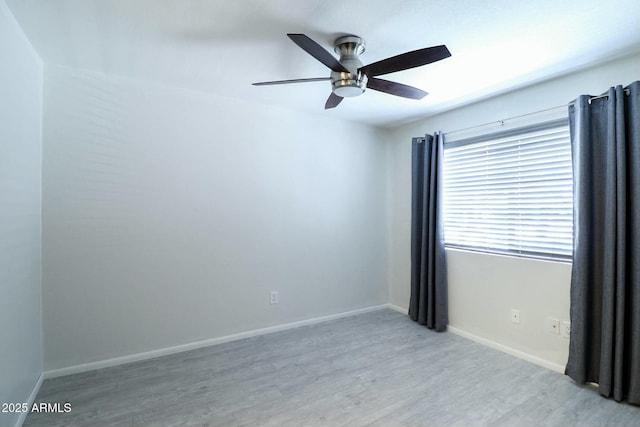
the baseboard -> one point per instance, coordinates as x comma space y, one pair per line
509, 350
30, 400
399, 309
76, 369
495, 345
234, 337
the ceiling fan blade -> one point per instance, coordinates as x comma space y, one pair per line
395, 88
333, 101
407, 60
318, 52
284, 82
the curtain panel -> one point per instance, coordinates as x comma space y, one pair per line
605, 281
428, 305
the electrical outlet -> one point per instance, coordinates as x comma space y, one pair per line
565, 328
553, 325
274, 297
515, 316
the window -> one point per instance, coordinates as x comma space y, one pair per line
510, 192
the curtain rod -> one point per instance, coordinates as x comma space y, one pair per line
501, 122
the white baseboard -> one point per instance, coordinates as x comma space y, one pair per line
495, 345
30, 400
399, 309
228, 338
509, 350
84, 367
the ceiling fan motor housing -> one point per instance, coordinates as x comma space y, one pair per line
353, 83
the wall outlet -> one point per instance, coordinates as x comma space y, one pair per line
515, 316
274, 297
553, 325
565, 328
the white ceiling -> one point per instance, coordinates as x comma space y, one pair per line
222, 46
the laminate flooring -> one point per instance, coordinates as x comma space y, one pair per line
373, 369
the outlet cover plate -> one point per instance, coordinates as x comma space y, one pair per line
515, 316
553, 325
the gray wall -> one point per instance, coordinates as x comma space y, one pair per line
20, 160
170, 215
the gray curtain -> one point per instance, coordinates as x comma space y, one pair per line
605, 277
428, 305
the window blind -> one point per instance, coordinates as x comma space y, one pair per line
511, 192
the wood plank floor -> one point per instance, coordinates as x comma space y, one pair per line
374, 369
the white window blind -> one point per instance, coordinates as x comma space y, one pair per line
510, 192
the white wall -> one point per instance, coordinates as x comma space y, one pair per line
483, 288
169, 216
20, 160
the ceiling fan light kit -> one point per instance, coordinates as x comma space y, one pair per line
350, 78
354, 82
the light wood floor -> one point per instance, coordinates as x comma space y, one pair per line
378, 369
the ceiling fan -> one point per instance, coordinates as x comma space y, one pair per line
350, 78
